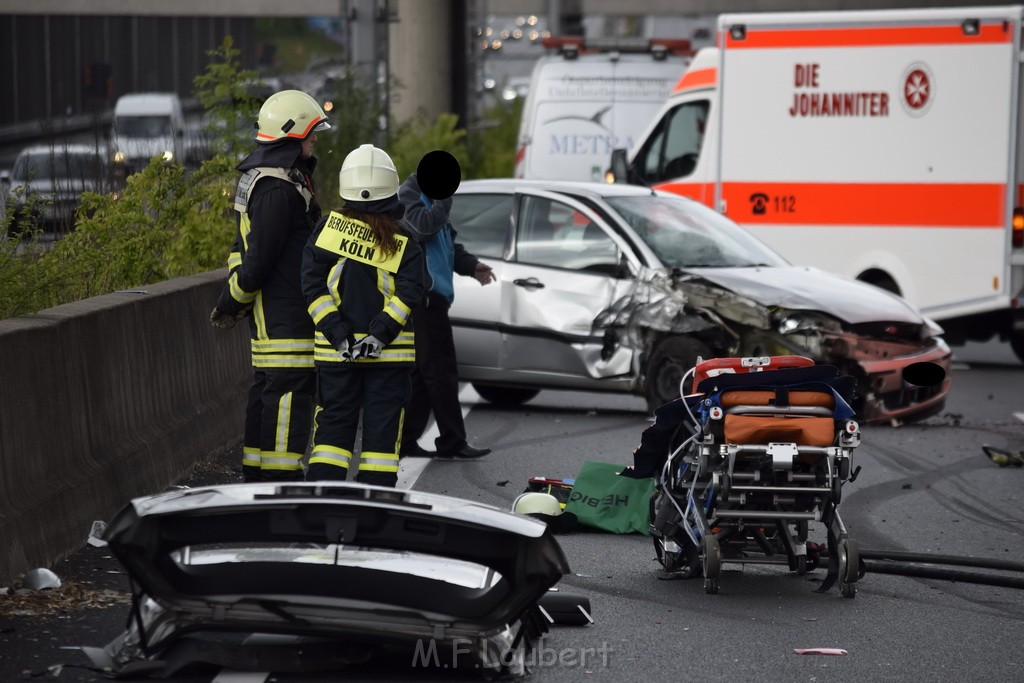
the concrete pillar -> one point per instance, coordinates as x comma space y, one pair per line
419, 53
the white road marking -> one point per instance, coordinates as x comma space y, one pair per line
410, 469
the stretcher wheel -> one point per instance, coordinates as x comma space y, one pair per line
849, 567
712, 559
837, 491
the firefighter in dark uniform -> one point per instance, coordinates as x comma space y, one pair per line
276, 214
362, 274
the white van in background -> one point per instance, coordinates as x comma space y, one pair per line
148, 125
590, 98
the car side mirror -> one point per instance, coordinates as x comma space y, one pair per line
619, 170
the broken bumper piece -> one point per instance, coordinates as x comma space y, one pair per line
310, 576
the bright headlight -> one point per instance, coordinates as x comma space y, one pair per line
119, 157
168, 155
803, 322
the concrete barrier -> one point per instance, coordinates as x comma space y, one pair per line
107, 399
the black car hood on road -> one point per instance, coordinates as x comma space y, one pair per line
334, 560
805, 288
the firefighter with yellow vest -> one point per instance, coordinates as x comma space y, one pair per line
276, 211
362, 273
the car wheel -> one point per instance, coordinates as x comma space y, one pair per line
671, 359
505, 396
1017, 344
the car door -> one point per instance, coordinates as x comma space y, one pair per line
566, 267
483, 222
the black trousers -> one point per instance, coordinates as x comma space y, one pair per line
278, 418
380, 392
435, 380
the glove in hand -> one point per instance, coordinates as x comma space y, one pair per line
367, 347
345, 349
221, 320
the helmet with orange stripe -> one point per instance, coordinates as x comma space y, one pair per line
289, 114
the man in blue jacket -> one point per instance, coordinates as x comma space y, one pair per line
427, 198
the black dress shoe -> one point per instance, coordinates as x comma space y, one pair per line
467, 452
416, 451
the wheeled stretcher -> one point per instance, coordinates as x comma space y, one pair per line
762, 450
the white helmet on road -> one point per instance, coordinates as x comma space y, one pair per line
367, 175
289, 114
536, 503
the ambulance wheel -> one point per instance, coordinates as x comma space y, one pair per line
504, 396
712, 562
671, 359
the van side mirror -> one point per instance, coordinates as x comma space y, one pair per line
619, 170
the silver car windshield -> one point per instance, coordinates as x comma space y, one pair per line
689, 235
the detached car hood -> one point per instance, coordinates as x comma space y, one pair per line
805, 288
337, 560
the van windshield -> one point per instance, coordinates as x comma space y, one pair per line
142, 126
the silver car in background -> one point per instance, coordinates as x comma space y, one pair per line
47, 182
617, 288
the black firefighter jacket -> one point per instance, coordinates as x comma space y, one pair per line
351, 293
276, 214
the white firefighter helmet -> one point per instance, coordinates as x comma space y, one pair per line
536, 503
367, 175
289, 114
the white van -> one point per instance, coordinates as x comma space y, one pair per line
590, 98
148, 125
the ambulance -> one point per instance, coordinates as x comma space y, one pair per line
589, 97
880, 145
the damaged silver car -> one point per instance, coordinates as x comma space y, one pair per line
303, 577
617, 288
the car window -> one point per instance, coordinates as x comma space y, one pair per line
673, 152
686, 234
482, 221
554, 234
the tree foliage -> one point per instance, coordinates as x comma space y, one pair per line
167, 222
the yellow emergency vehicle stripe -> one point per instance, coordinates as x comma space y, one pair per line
274, 360
244, 227
260, 317
282, 345
320, 307
251, 456
237, 293
330, 455
397, 309
277, 460
370, 461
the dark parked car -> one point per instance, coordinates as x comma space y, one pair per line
618, 288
